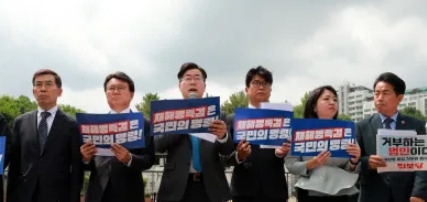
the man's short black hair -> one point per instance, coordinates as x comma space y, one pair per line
260, 71
122, 77
392, 79
40, 72
188, 66
310, 105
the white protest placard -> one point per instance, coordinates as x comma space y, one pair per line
275, 106
403, 150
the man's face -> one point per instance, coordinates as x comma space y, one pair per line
258, 91
385, 98
192, 82
46, 91
118, 94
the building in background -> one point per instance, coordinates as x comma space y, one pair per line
416, 98
352, 98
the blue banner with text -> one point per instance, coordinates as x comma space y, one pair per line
183, 116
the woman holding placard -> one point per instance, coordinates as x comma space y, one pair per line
324, 178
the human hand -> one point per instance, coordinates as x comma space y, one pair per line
121, 153
87, 150
318, 160
376, 161
416, 199
243, 150
218, 128
282, 151
353, 150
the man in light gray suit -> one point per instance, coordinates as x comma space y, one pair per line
191, 174
391, 186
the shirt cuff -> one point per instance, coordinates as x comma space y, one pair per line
130, 161
86, 162
223, 140
236, 156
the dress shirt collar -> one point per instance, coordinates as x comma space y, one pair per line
394, 117
52, 111
127, 110
250, 106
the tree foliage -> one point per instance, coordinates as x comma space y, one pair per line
70, 109
412, 111
299, 109
344, 117
145, 105
236, 100
11, 107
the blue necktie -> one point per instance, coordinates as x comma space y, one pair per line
387, 123
43, 130
196, 154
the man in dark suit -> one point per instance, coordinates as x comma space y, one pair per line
391, 186
258, 174
4, 131
194, 175
45, 162
118, 178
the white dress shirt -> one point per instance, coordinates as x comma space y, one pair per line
49, 119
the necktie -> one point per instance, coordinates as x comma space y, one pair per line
196, 153
43, 130
387, 123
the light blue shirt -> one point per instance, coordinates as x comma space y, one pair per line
392, 124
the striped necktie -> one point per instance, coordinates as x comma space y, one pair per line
387, 123
43, 133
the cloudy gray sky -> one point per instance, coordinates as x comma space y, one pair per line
304, 43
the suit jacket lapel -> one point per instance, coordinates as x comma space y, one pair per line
35, 136
55, 129
376, 123
400, 122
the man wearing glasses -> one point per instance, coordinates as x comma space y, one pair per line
193, 171
392, 186
258, 174
118, 178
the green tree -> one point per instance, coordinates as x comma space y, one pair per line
145, 105
70, 109
412, 111
344, 117
11, 107
299, 109
236, 100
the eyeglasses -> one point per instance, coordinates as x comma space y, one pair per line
195, 79
260, 83
47, 84
385, 93
118, 88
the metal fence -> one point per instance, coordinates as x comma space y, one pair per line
154, 177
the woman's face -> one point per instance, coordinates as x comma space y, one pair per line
327, 105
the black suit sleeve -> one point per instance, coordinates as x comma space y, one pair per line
5, 131
143, 158
420, 183
363, 156
15, 154
76, 161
